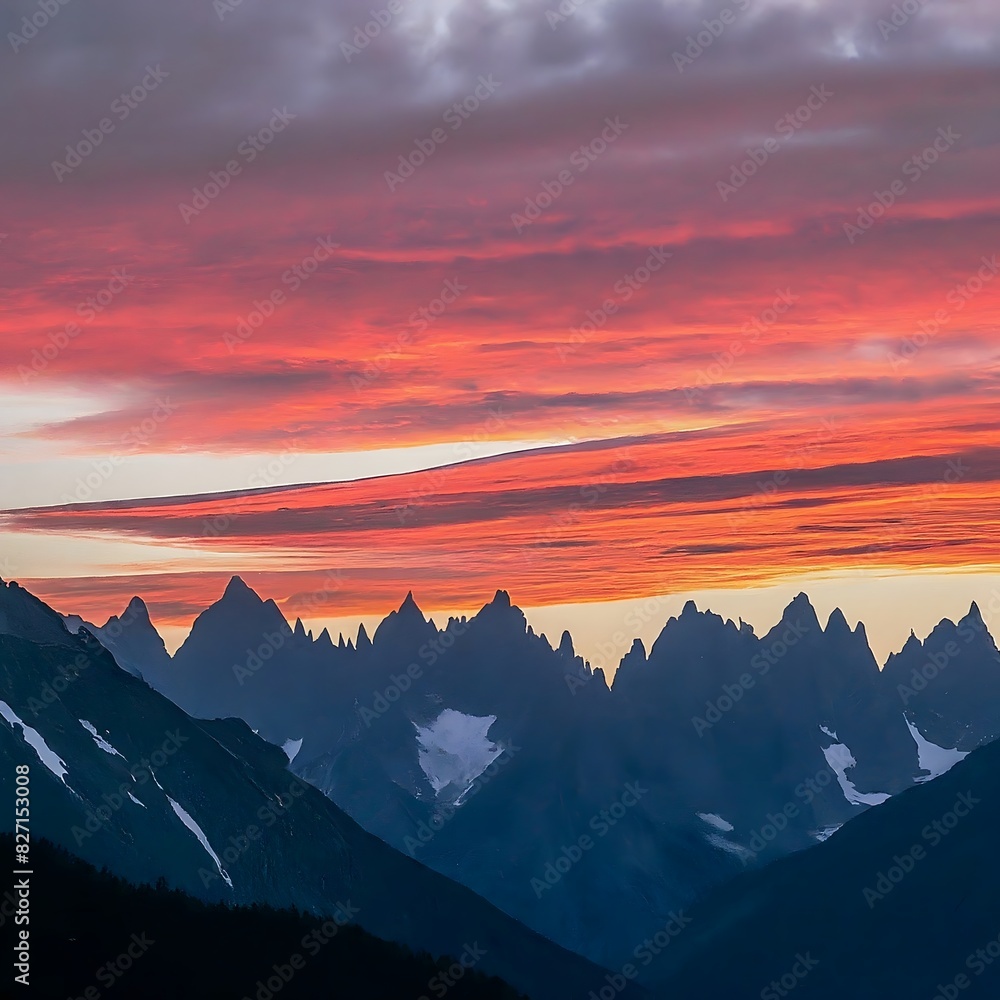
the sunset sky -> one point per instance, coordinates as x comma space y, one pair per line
636, 299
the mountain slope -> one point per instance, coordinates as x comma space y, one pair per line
131, 638
124, 778
900, 902
949, 684
486, 752
146, 943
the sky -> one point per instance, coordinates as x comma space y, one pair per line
595, 302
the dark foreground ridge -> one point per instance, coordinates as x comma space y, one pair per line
902, 902
96, 935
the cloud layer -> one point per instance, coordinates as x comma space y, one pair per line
715, 237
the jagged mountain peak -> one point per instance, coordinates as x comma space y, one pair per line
237, 590
24, 615
501, 599
501, 612
363, 641
974, 617
402, 625
801, 609
630, 663
837, 624
635, 656
135, 613
409, 605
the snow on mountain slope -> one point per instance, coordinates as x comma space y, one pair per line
934, 759
34, 739
840, 759
717, 821
99, 739
455, 749
186, 818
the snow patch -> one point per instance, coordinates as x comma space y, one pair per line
186, 819
454, 749
840, 758
826, 833
99, 739
291, 748
743, 853
712, 819
831, 734
932, 758
34, 739
135, 800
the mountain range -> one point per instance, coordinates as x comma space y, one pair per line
125, 779
591, 813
